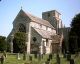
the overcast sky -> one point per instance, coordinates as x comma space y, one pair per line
10, 8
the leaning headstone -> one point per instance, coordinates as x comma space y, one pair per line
2, 59
58, 59
71, 61
18, 57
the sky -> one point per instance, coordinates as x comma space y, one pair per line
10, 8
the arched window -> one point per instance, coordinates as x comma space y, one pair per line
22, 28
34, 39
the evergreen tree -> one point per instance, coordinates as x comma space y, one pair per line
19, 42
74, 36
3, 44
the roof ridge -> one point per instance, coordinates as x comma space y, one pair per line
37, 19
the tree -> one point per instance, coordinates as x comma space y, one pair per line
8, 44
74, 35
3, 44
64, 48
19, 42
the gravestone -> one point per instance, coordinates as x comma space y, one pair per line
42, 56
30, 58
47, 62
39, 56
35, 55
5, 54
50, 56
48, 59
64, 55
2, 59
18, 57
68, 57
24, 55
58, 59
71, 61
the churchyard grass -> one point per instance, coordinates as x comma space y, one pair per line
12, 59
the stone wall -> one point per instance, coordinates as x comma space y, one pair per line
38, 38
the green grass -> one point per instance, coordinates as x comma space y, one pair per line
12, 59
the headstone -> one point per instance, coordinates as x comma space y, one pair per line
47, 62
35, 55
48, 59
42, 56
30, 58
4, 53
71, 61
68, 57
24, 55
39, 56
18, 57
64, 55
50, 56
58, 59
2, 59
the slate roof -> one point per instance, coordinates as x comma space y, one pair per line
36, 19
44, 33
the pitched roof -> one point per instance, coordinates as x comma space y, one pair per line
44, 33
36, 19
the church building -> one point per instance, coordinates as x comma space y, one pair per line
38, 29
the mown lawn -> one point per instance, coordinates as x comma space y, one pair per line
12, 59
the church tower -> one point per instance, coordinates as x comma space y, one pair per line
54, 18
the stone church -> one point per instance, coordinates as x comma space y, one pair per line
39, 29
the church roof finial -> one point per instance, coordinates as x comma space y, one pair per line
21, 7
